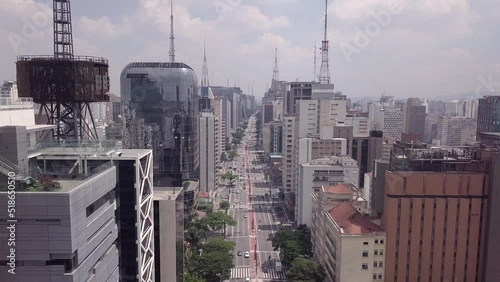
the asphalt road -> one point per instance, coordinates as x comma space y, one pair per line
249, 199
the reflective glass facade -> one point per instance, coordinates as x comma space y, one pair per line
161, 113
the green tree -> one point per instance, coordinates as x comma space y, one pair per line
231, 155
282, 237
219, 245
188, 277
229, 176
292, 251
197, 233
293, 244
223, 157
224, 205
213, 266
218, 221
306, 270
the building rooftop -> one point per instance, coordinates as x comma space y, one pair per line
351, 222
204, 195
341, 188
166, 193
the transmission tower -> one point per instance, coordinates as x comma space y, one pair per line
276, 72
324, 74
171, 52
64, 85
204, 71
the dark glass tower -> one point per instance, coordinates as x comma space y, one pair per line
161, 113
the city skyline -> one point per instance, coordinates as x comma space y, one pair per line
452, 54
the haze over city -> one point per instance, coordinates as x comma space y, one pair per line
426, 49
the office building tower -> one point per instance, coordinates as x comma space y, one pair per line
346, 243
94, 210
393, 123
209, 152
298, 91
168, 206
163, 99
436, 212
415, 112
488, 119
272, 137
456, 131
318, 173
361, 126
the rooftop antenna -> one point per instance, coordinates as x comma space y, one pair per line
324, 74
314, 77
171, 53
276, 72
204, 71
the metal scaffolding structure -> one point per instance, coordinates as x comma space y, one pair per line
324, 73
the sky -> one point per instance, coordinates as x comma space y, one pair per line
418, 48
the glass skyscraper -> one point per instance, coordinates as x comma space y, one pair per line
161, 113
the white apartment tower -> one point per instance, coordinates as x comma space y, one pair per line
209, 152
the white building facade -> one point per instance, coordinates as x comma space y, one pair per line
209, 152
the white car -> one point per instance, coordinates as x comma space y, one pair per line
247, 254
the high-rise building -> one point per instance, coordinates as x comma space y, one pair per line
488, 119
348, 245
415, 112
168, 206
209, 152
318, 173
456, 131
436, 215
164, 98
393, 123
90, 207
298, 91
8, 93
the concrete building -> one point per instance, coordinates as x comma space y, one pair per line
394, 120
415, 112
298, 91
8, 93
209, 152
168, 206
89, 224
436, 213
456, 131
361, 126
348, 245
318, 173
288, 152
488, 119
272, 137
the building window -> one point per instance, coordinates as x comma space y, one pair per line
380, 277
374, 276
381, 241
364, 266
376, 241
375, 252
380, 264
365, 254
374, 264
365, 243
381, 252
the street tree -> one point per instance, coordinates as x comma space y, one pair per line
231, 155
230, 176
224, 205
197, 233
293, 244
219, 245
214, 266
303, 269
188, 277
218, 221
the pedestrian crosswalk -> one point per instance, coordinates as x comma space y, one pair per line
273, 274
241, 272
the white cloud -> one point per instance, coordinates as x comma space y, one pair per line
252, 17
104, 28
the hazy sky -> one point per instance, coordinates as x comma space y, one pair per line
424, 48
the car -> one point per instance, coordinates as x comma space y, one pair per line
239, 253
247, 280
245, 216
247, 254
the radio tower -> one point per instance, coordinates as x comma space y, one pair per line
171, 52
314, 77
64, 85
276, 72
204, 71
324, 73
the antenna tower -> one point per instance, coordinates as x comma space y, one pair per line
64, 85
171, 52
315, 48
324, 74
204, 71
